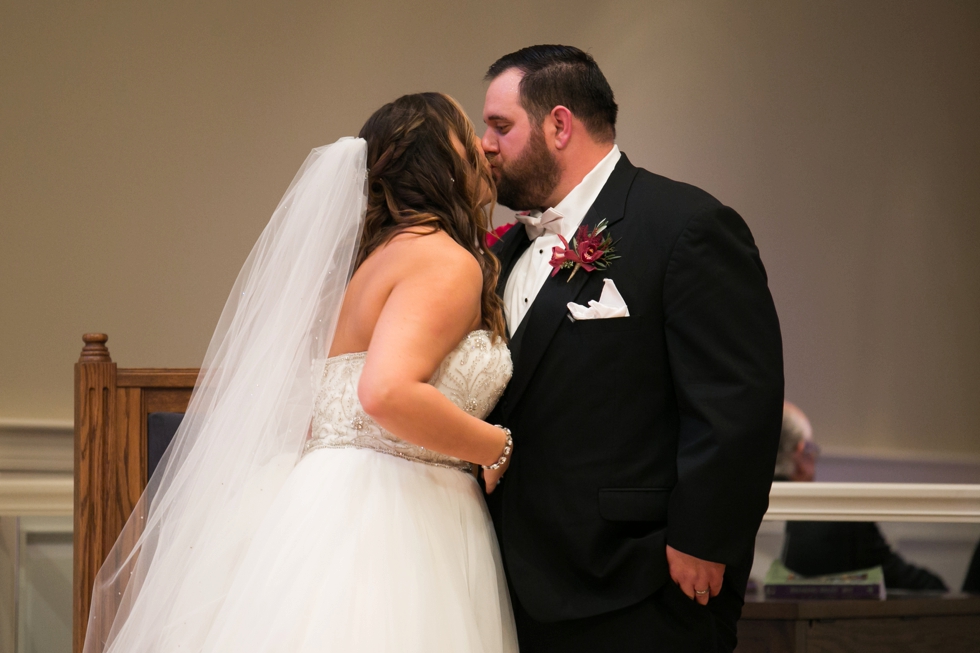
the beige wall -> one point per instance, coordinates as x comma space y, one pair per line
144, 145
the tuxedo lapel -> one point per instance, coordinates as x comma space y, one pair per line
539, 326
514, 243
550, 307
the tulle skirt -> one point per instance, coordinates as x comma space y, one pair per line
364, 551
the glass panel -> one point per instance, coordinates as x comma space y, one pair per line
8, 583
943, 549
44, 585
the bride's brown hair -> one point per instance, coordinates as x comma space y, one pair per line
418, 181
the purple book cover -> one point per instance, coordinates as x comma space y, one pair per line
820, 592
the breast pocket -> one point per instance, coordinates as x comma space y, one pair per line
634, 504
610, 326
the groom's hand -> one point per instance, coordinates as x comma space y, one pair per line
693, 575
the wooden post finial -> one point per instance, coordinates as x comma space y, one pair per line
95, 350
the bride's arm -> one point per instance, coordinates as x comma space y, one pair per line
433, 304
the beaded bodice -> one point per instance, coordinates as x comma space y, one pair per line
472, 376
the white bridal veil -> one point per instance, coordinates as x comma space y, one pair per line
244, 429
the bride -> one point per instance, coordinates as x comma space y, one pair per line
337, 510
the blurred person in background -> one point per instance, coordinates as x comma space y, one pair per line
824, 547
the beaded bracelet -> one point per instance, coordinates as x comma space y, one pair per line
508, 447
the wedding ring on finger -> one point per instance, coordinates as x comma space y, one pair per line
700, 592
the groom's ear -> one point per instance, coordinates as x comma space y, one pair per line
561, 119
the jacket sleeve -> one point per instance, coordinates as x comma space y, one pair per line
725, 356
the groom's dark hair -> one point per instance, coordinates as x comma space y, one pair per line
562, 75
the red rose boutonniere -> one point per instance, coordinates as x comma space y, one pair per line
493, 237
588, 251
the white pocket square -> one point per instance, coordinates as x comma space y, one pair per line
610, 304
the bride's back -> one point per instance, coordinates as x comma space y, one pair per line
428, 268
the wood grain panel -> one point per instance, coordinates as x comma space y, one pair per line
911, 635
126, 449
111, 408
169, 400
942, 605
949, 623
768, 637
157, 378
94, 398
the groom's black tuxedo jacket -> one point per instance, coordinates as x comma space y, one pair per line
632, 433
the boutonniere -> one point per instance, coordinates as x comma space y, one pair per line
588, 251
493, 237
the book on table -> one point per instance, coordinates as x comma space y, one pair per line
783, 583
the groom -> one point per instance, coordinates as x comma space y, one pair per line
647, 394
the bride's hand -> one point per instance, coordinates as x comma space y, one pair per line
491, 477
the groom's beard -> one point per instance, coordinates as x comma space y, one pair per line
527, 182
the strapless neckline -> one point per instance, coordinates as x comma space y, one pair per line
360, 354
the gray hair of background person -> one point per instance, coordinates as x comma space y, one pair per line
796, 430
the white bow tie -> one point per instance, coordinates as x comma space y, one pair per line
541, 223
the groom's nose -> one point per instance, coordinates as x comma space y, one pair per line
489, 143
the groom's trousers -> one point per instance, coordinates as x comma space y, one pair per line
665, 622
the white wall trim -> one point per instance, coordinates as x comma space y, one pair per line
36, 446
906, 502
36, 494
19, 424
52, 494
36, 464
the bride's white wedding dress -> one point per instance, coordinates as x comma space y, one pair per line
365, 543
373, 543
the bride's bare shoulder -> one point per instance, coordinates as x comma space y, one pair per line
432, 255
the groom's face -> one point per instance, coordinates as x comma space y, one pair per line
525, 170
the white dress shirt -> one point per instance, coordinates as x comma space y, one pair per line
532, 269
